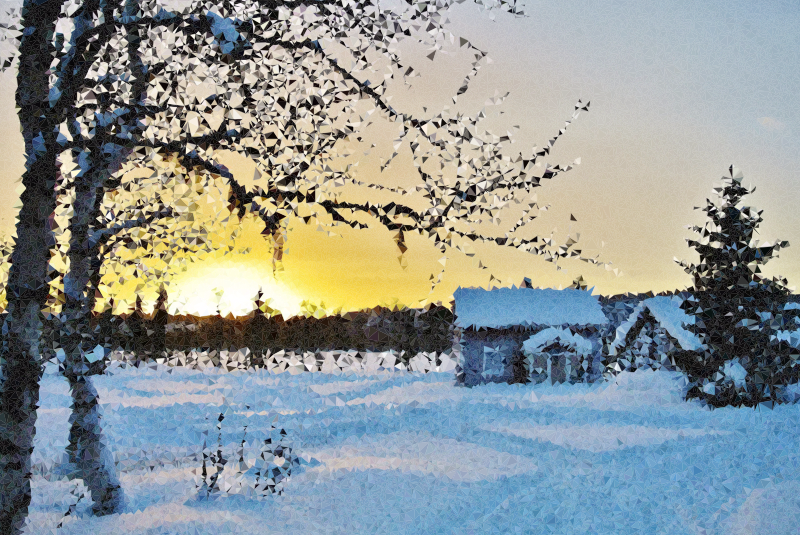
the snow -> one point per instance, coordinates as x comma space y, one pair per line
790, 337
667, 311
506, 307
393, 451
735, 371
597, 438
539, 340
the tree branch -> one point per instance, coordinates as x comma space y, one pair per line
101, 237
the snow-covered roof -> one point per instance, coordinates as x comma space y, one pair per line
666, 310
507, 307
544, 337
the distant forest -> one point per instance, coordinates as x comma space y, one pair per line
378, 329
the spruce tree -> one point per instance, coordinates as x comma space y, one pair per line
737, 311
157, 325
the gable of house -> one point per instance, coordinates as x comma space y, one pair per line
647, 343
666, 312
563, 354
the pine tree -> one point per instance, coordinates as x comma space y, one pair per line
157, 326
736, 310
256, 327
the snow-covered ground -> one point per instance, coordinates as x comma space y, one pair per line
399, 452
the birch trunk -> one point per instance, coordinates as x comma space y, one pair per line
27, 289
88, 452
89, 458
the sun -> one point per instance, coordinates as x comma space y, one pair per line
230, 288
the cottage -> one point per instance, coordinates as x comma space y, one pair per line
525, 334
496, 324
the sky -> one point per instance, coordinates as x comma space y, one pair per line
678, 91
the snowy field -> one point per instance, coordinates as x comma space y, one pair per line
402, 452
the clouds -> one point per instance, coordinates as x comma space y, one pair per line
771, 123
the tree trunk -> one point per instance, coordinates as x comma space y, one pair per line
27, 288
89, 459
87, 450
88, 454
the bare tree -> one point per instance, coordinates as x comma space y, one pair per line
283, 82
95, 177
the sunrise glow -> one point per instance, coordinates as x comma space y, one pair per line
231, 289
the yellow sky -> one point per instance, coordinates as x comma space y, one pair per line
355, 269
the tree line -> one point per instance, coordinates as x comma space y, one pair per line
379, 329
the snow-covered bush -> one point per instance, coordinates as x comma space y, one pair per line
240, 473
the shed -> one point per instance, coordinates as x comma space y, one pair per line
495, 324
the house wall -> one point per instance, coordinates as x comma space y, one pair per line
492, 356
496, 356
556, 362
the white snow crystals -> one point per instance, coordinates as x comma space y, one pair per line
390, 451
735, 372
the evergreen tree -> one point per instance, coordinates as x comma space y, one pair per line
256, 327
737, 312
157, 326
